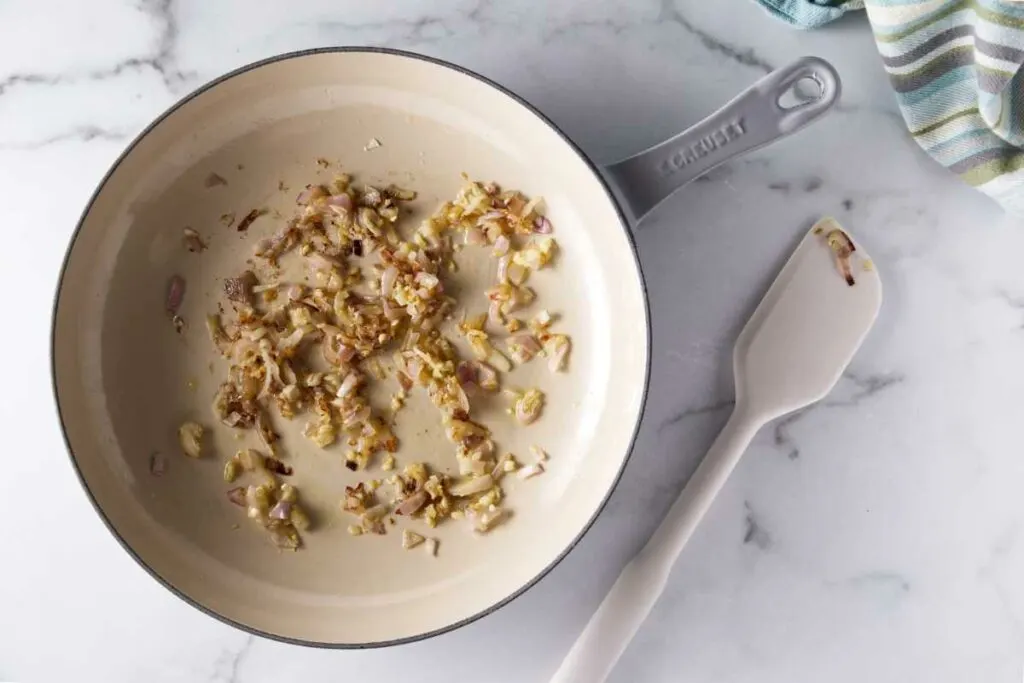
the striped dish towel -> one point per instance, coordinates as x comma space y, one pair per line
954, 66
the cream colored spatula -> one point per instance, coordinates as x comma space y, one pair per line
791, 353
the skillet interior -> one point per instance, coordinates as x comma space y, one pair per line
124, 380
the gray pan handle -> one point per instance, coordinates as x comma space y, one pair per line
753, 119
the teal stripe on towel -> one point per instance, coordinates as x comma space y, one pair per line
973, 88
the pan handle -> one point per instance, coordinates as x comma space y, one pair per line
757, 117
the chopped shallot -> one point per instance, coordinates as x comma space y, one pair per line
557, 349
244, 224
356, 313
239, 289
477, 374
192, 241
281, 510
501, 246
541, 322
542, 226
349, 384
472, 486
237, 496
276, 466
231, 470
321, 263
487, 377
528, 406
175, 294
387, 280
404, 381
371, 519
531, 470
411, 539
842, 245
522, 347
427, 280
214, 180
468, 373
487, 520
475, 236
412, 504
516, 273
190, 437
494, 313
249, 460
157, 464
342, 201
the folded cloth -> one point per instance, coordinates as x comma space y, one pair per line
954, 66
810, 13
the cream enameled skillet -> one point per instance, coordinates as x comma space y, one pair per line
124, 380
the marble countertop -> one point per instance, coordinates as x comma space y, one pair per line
877, 536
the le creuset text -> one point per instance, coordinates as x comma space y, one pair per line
719, 137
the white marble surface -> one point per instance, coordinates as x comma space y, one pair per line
877, 536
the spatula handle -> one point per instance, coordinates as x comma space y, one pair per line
636, 590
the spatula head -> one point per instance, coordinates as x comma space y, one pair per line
808, 326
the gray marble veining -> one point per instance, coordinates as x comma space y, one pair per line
875, 536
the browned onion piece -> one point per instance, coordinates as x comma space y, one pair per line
239, 289
277, 467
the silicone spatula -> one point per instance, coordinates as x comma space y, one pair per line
790, 354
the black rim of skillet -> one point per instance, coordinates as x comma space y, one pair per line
99, 189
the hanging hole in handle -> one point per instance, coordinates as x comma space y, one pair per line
804, 90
